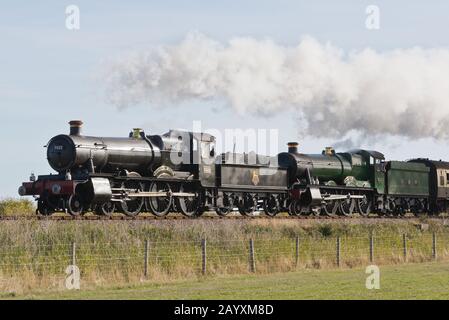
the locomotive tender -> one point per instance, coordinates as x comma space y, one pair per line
180, 172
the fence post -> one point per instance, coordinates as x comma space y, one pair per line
252, 262
204, 257
434, 246
404, 246
297, 251
338, 251
146, 256
371, 247
73, 253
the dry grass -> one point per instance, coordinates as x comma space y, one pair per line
11, 206
35, 254
411, 281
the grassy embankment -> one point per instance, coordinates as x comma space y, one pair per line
11, 207
35, 254
411, 281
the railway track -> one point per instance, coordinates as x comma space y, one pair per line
204, 217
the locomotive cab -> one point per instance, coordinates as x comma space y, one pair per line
190, 152
370, 167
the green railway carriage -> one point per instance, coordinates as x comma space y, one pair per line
438, 183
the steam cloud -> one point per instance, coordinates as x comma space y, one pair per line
402, 92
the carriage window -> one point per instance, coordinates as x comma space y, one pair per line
447, 177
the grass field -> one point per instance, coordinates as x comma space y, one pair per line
35, 254
409, 281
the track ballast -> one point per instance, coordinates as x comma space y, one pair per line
207, 217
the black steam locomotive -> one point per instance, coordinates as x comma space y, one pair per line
180, 172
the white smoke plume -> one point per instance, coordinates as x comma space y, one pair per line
402, 92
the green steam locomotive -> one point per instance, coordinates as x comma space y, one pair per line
362, 181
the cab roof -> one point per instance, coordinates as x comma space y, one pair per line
372, 153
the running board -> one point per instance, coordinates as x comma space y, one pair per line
155, 194
342, 197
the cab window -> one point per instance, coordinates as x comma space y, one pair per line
207, 150
356, 160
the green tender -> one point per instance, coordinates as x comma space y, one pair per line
405, 178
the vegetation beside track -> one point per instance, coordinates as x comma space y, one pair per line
14, 207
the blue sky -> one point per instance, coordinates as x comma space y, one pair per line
47, 71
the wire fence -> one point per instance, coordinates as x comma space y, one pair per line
146, 259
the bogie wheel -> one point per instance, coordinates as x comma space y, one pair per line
316, 211
291, 208
201, 210
330, 208
75, 205
364, 206
160, 205
190, 205
227, 207
418, 208
105, 209
295, 208
347, 207
392, 207
304, 210
271, 206
42, 208
299, 208
248, 205
400, 210
406, 204
133, 206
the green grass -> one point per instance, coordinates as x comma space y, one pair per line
409, 281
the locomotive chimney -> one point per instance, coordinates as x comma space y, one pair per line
329, 151
136, 134
292, 147
75, 127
